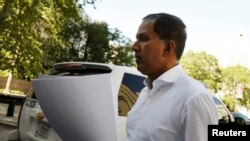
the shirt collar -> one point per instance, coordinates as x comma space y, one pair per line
169, 76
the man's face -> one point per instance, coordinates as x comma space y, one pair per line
149, 50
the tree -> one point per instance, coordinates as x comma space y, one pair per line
96, 42
246, 98
30, 29
231, 77
230, 101
120, 52
204, 67
36, 34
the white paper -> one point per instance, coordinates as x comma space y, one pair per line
84, 106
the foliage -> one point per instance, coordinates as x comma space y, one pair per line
231, 77
230, 101
203, 67
246, 98
26, 28
35, 34
120, 52
96, 42
4, 73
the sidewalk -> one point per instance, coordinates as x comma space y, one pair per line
5, 131
7, 124
9, 120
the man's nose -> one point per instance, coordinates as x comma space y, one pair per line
136, 46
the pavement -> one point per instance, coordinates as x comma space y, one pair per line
6, 131
8, 125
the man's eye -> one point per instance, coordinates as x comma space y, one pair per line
143, 38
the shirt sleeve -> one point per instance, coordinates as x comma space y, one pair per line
199, 112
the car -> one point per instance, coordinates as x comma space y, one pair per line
240, 118
39, 115
34, 125
224, 115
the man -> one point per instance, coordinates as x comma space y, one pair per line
172, 106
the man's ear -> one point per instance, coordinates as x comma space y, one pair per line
167, 48
170, 45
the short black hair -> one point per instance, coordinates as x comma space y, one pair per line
168, 26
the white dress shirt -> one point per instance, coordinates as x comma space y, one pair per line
177, 108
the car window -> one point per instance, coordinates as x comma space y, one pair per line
130, 87
78, 69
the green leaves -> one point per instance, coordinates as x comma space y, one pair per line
28, 29
204, 67
35, 34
